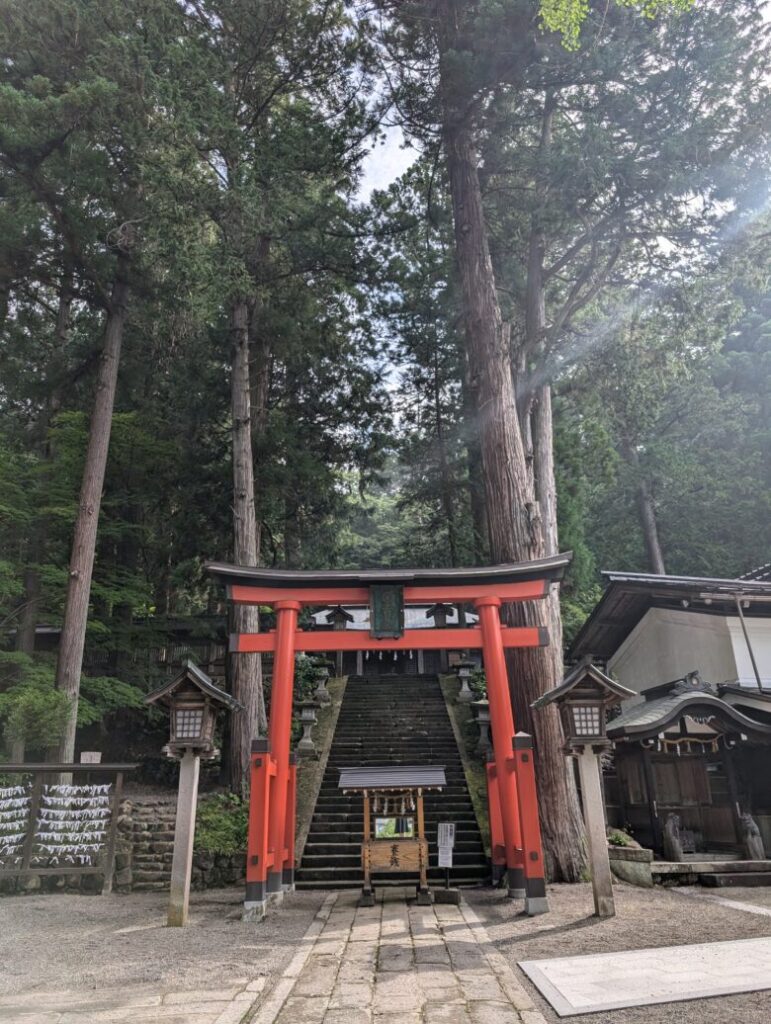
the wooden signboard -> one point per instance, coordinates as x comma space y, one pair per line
386, 610
397, 855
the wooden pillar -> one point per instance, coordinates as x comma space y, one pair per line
421, 662
261, 769
367, 893
360, 663
502, 726
184, 833
279, 734
594, 819
109, 857
653, 811
733, 794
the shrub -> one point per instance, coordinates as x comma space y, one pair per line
221, 825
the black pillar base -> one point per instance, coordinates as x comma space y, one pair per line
515, 878
535, 897
367, 898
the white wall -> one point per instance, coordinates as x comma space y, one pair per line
667, 644
760, 637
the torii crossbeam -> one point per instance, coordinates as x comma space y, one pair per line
514, 820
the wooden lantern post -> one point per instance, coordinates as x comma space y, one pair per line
583, 697
193, 700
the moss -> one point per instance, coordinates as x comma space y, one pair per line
462, 718
221, 824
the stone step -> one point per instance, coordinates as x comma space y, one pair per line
404, 723
726, 879
698, 867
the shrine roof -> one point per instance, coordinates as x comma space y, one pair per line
390, 777
630, 595
652, 717
551, 568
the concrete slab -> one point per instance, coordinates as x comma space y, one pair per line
643, 977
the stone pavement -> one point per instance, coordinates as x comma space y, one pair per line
394, 963
398, 963
137, 1006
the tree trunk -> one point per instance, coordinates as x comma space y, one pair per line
73, 637
245, 669
515, 526
646, 510
28, 615
445, 484
650, 528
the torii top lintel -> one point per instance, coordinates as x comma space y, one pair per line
514, 581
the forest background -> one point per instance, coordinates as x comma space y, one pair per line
214, 345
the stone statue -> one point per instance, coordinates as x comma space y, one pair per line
673, 847
753, 841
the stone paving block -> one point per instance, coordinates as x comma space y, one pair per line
234, 1013
317, 979
532, 1017
332, 946
302, 1010
350, 994
353, 971
515, 993
14, 1017
395, 958
432, 953
348, 1016
361, 952
493, 1013
257, 985
481, 986
403, 1017
198, 995
442, 1013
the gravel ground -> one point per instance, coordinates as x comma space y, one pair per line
760, 897
644, 918
85, 943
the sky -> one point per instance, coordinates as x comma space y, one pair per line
385, 163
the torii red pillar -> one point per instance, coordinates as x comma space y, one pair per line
516, 791
279, 735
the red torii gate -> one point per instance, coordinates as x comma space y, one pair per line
512, 799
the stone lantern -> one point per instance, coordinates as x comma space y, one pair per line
465, 668
339, 618
583, 698
308, 709
321, 693
439, 613
482, 714
193, 701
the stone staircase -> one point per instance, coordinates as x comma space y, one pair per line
715, 874
390, 721
148, 826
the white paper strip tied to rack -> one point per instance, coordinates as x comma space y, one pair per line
76, 831
14, 822
48, 827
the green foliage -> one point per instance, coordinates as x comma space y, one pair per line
567, 16
616, 837
221, 825
31, 710
103, 695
